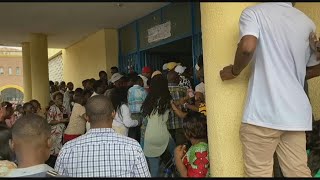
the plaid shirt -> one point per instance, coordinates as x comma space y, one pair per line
177, 92
102, 153
136, 96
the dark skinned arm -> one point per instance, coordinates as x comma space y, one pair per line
313, 71
244, 53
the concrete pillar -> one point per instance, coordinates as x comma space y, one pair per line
313, 10
224, 100
27, 86
39, 66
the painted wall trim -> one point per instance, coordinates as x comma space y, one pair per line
55, 55
12, 86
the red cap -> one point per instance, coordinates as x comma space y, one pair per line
146, 70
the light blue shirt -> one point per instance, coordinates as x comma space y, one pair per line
136, 96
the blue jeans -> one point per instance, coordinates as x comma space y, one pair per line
154, 162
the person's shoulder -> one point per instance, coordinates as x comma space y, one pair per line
127, 141
68, 146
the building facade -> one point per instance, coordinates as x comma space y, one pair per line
11, 75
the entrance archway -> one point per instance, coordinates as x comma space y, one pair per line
13, 94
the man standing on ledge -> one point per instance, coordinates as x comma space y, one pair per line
277, 111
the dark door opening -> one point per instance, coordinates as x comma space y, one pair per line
179, 51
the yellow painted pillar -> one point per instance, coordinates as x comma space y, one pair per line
313, 11
27, 86
112, 49
225, 100
39, 66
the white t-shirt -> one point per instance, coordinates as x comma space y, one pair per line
77, 124
200, 88
276, 98
29, 171
124, 121
145, 81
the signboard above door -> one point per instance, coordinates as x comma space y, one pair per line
159, 32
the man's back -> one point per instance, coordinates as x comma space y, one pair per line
102, 153
276, 98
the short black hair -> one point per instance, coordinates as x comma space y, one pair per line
62, 83
97, 84
58, 93
99, 108
115, 68
78, 96
51, 83
5, 151
195, 125
102, 72
136, 79
34, 101
27, 106
31, 126
85, 81
87, 92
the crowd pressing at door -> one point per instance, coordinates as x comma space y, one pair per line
154, 123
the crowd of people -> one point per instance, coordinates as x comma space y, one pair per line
151, 124
154, 124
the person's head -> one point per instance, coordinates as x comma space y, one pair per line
56, 83
58, 98
100, 112
195, 126
62, 83
86, 95
99, 87
51, 83
84, 82
31, 139
78, 96
147, 72
103, 76
118, 97
36, 105
19, 108
116, 79
90, 83
173, 77
28, 108
70, 86
5, 151
158, 99
8, 109
114, 70
137, 80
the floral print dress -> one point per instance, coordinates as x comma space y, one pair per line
6, 167
197, 160
56, 113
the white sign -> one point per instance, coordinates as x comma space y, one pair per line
159, 32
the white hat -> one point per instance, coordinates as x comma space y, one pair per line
197, 67
165, 66
180, 69
115, 77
